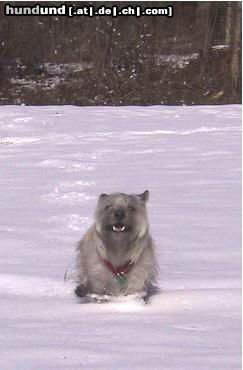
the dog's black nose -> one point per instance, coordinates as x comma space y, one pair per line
119, 214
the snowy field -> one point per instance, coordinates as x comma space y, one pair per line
54, 162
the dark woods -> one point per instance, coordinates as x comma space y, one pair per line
192, 58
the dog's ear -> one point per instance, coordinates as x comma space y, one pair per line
144, 196
102, 196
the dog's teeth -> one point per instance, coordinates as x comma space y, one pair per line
118, 229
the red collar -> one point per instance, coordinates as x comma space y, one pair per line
119, 271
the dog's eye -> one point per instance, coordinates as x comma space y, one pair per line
107, 207
132, 209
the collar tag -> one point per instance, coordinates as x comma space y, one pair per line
121, 278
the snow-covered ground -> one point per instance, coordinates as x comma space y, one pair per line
54, 162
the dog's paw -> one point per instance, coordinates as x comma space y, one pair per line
151, 291
81, 291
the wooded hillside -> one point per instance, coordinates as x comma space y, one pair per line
193, 57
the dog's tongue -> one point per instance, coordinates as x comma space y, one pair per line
118, 227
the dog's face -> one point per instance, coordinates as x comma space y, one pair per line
121, 218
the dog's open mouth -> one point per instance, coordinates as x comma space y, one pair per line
119, 228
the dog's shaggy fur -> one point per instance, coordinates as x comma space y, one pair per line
118, 238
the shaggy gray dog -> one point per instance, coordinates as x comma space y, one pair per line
116, 255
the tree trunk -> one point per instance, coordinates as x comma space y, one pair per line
229, 23
203, 26
236, 49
